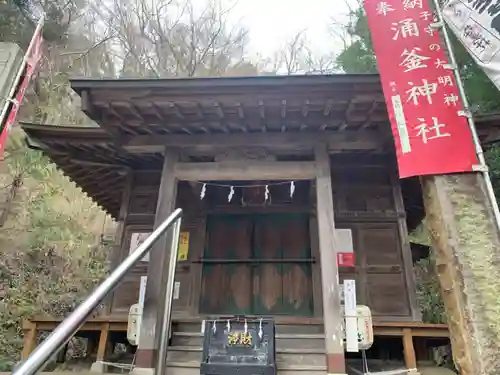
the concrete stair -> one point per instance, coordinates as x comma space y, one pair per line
300, 349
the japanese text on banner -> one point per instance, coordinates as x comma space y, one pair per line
431, 134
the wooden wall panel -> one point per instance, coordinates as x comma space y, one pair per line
387, 295
367, 200
127, 293
380, 270
140, 219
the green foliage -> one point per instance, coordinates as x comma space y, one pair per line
358, 56
51, 256
428, 292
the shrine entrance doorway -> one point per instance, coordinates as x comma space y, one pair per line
258, 264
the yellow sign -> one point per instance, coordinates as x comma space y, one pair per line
239, 338
183, 246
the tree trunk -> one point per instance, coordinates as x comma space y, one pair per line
466, 247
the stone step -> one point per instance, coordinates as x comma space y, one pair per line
309, 356
193, 368
283, 340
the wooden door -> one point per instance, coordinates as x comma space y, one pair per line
386, 288
282, 278
226, 281
257, 265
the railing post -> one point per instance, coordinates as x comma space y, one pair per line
161, 361
70, 325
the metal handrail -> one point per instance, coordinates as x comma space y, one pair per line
70, 325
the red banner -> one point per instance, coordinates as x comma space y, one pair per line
21, 83
431, 134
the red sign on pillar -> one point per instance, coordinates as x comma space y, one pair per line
345, 248
431, 133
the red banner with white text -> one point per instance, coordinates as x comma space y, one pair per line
23, 79
431, 133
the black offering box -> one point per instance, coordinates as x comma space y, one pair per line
238, 346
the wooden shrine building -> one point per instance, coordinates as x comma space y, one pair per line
265, 169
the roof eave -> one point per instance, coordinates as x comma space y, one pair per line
81, 84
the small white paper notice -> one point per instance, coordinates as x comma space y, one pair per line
142, 292
351, 320
136, 240
177, 289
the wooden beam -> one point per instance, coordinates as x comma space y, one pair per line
134, 111
218, 110
245, 170
335, 141
305, 108
112, 110
86, 103
157, 111
175, 109
283, 108
262, 109
241, 111
328, 107
332, 310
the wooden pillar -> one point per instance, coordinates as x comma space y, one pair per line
104, 344
157, 268
197, 248
411, 287
409, 349
30, 339
116, 256
466, 247
316, 275
332, 313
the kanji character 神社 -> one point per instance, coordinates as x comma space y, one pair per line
426, 90
431, 132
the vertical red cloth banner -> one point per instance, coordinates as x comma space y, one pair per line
431, 132
23, 79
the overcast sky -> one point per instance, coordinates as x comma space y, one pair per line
272, 22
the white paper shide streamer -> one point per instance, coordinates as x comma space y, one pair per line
203, 191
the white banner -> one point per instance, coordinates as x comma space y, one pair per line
477, 25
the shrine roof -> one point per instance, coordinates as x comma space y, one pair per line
342, 106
